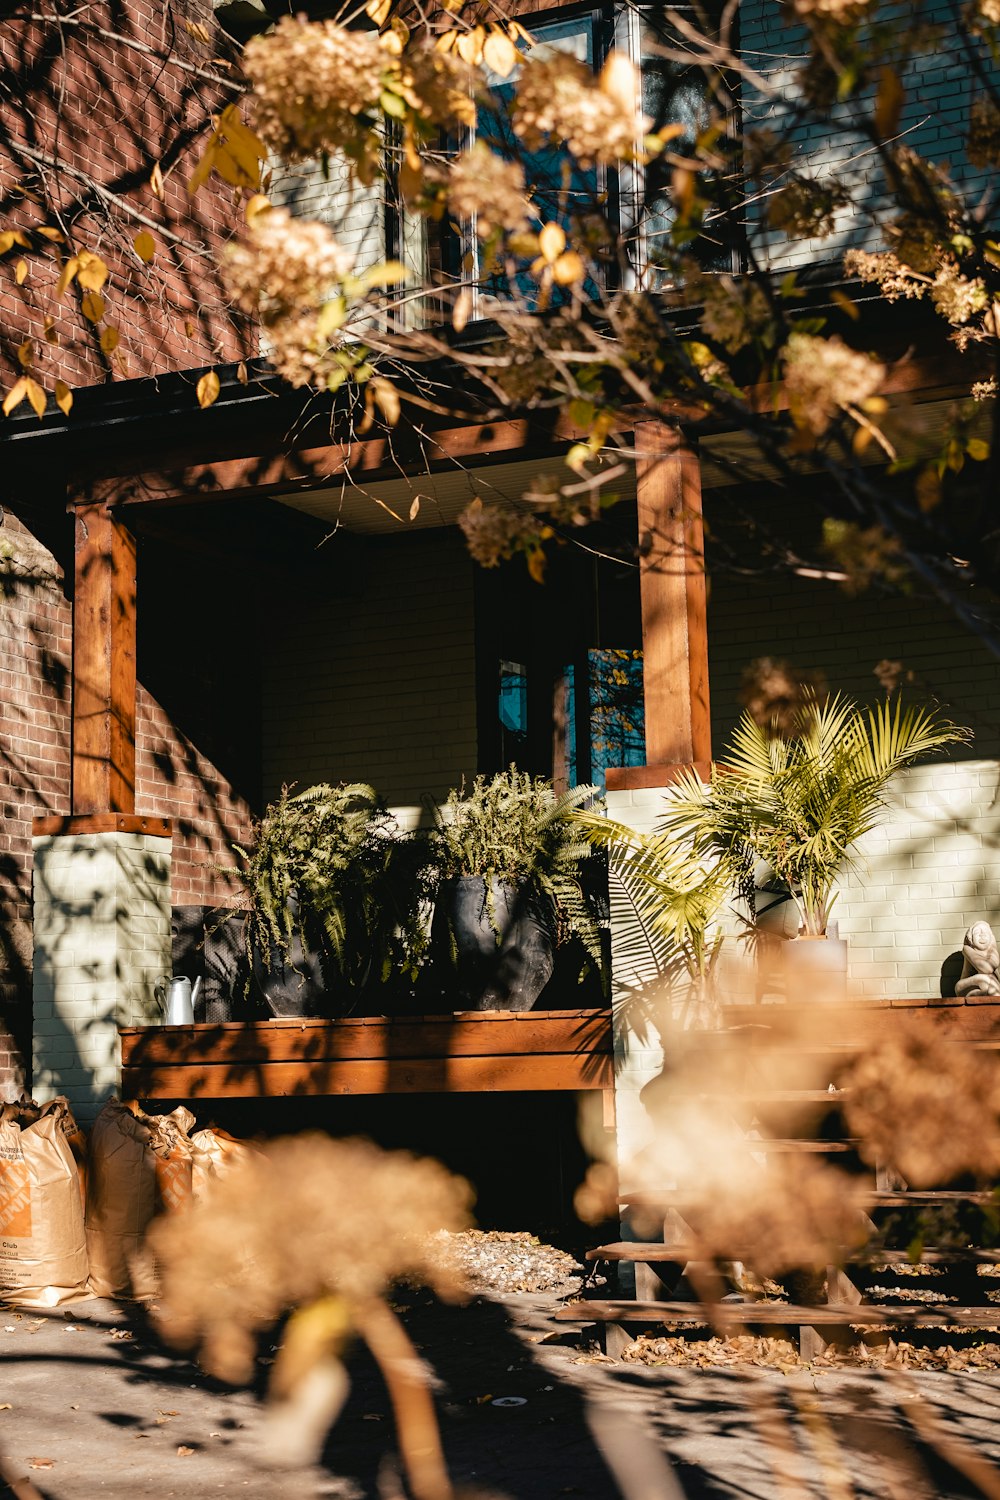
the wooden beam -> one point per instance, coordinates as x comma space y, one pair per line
103, 711
673, 597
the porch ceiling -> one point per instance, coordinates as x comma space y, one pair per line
727, 459
378, 509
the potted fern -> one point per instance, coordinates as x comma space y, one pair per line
509, 859
797, 805
332, 894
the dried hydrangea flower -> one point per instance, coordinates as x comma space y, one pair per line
560, 100
283, 264
824, 377
483, 186
312, 80
308, 1218
927, 1107
734, 312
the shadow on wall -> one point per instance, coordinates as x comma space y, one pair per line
102, 941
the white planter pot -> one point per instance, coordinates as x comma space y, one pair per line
818, 960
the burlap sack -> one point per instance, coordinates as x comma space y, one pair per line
138, 1164
43, 1249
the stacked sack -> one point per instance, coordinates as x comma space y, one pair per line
73, 1217
43, 1248
140, 1165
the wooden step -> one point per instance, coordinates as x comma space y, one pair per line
781, 1314
648, 1252
869, 1199
766, 1095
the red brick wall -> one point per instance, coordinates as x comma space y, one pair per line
87, 96
129, 88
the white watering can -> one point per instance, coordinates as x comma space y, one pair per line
177, 999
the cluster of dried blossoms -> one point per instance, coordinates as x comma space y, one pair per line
495, 532
308, 1218
824, 377
962, 301
559, 101
775, 693
484, 187
734, 312
313, 81
283, 265
806, 209
927, 1107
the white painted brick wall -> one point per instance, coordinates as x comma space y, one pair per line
355, 214
101, 906
939, 88
379, 687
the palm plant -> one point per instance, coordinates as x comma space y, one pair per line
800, 803
666, 903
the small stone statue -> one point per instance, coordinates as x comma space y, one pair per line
981, 960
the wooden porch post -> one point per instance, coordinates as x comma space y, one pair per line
673, 598
104, 683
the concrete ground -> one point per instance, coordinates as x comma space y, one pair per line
93, 1405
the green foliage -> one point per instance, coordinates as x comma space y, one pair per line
671, 897
331, 864
514, 828
800, 803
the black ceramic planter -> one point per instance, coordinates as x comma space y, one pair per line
501, 948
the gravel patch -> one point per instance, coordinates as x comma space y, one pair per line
498, 1262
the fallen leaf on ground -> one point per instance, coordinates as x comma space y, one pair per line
183, 1452
5, 1406
41, 1463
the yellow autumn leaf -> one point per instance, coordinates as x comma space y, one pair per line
462, 310
378, 11
26, 354
241, 372
156, 181
50, 335
414, 507
551, 242
69, 270
21, 271
259, 203
93, 305
568, 269
536, 564
47, 232
620, 82
91, 273
470, 45
500, 54
64, 397
109, 340
144, 246
35, 395
387, 397
207, 388
15, 396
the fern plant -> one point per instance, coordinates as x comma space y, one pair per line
330, 862
800, 803
515, 829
